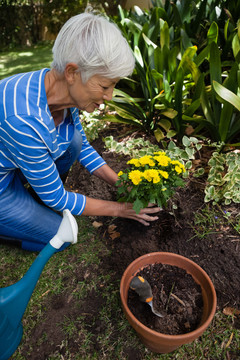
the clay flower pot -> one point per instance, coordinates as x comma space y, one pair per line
155, 341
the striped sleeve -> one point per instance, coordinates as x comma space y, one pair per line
34, 160
89, 157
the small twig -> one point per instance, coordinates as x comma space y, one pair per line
177, 298
45, 293
170, 295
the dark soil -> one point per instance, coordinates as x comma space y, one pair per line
217, 252
175, 295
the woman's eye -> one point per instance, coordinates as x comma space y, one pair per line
105, 87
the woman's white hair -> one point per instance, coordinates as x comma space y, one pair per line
96, 45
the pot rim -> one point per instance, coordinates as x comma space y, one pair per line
195, 333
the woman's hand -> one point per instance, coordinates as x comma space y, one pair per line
144, 217
95, 207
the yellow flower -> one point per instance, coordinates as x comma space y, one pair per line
146, 160
156, 179
151, 175
162, 160
178, 169
147, 175
134, 162
164, 189
159, 153
120, 173
164, 174
176, 162
135, 176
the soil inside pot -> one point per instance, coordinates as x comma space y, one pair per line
175, 294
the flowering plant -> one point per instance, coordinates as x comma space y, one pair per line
149, 179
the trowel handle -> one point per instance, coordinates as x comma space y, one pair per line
67, 231
142, 288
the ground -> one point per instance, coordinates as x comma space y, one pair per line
217, 252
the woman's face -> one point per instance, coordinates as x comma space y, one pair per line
93, 93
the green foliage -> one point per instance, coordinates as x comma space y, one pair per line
233, 219
191, 146
33, 18
131, 147
211, 219
206, 221
91, 124
219, 96
223, 183
139, 147
176, 83
156, 99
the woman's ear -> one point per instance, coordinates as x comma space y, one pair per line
71, 72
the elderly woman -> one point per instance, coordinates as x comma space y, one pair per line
41, 134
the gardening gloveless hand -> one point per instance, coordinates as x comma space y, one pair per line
95, 207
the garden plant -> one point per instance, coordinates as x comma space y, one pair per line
150, 179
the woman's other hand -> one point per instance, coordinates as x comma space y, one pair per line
96, 207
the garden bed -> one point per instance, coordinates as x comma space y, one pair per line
216, 250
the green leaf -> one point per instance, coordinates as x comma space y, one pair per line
158, 134
212, 33
215, 75
164, 38
171, 133
138, 56
226, 29
169, 113
235, 45
185, 140
227, 95
138, 205
165, 124
178, 101
148, 41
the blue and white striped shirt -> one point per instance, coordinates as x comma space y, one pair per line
30, 141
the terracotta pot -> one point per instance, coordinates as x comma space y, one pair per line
155, 341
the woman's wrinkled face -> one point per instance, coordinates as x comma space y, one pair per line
90, 95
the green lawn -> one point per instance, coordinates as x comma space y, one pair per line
25, 59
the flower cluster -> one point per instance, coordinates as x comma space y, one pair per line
150, 179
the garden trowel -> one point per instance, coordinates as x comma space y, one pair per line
143, 289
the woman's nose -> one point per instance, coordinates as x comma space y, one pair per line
108, 94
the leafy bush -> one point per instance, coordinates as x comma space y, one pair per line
218, 91
155, 99
174, 82
223, 183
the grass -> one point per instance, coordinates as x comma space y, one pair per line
25, 59
220, 341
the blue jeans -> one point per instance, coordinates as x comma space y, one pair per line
24, 219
